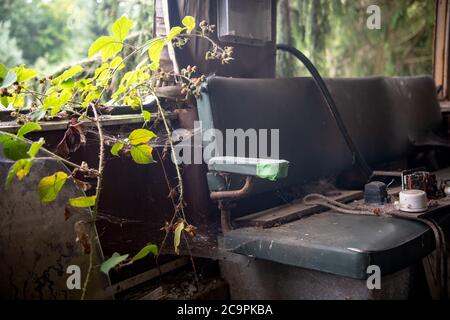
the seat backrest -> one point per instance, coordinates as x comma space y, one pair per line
381, 114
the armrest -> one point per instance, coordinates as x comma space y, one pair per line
269, 169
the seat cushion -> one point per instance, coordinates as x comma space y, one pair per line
339, 244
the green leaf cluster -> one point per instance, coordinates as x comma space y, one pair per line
140, 151
9, 77
112, 262
116, 259
109, 46
23, 153
156, 46
49, 187
149, 248
83, 202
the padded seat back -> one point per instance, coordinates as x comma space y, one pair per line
381, 115
416, 99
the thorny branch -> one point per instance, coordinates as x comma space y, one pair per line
101, 167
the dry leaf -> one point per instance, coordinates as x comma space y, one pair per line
85, 186
82, 234
191, 230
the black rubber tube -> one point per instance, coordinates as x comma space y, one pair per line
357, 156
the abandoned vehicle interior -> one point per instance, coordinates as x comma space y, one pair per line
187, 166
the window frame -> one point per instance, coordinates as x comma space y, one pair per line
441, 52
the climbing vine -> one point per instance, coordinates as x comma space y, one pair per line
82, 101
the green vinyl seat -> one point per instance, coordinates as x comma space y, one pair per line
385, 116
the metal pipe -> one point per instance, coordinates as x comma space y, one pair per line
225, 221
234, 194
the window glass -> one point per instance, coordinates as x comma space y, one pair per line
51, 34
357, 38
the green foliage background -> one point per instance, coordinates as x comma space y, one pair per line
49, 34
334, 35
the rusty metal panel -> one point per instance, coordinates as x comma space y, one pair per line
37, 240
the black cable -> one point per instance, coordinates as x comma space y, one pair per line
359, 159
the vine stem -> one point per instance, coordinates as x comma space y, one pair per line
204, 36
172, 151
173, 203
101, 159
180, 188
101, 166
52, 155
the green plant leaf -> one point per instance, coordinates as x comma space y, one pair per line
9, 79
92, 95
121, 28
35, 147
107, 46
4, 138
57, 100
67, 84
50, 101
3, 71
24, 74
175, 31
49, 187
147, 115
142, 154
119, 91
133, 101
154, 52
82, 202
189, 23
140, 136
130, 78
15, 149
112, 262
17, 100
117, 62
4, 102
66, 75
100, 70
27, 128
145, 251
19, 169
177, 237
116, 148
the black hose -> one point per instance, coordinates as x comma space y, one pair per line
358, 158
